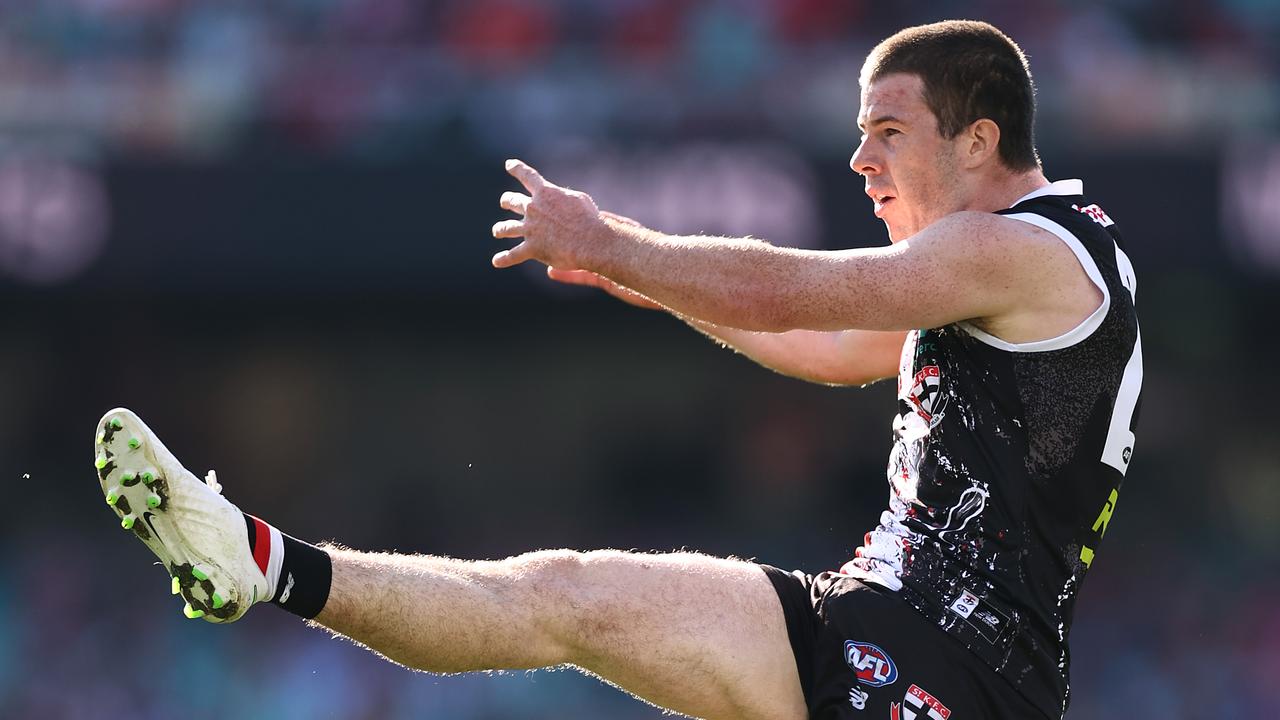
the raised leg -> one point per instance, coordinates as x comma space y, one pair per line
698, 635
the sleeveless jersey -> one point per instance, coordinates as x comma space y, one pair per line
1007, 463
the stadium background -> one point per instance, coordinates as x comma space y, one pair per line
264, 226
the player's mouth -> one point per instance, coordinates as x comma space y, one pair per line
881, 200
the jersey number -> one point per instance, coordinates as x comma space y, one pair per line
1119, 446
1118, 449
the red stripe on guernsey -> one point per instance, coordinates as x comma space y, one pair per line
261, 544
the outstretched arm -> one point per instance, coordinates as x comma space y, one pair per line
837, 357
976, 266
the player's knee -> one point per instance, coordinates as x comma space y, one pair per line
603, 596
579, 597
546, 572
544, 587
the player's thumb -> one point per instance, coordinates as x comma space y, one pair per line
573, 277
514, 256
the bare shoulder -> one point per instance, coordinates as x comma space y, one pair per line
1044, 288
988, 236
994, 271
1002, 256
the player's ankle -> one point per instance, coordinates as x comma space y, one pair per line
299, 573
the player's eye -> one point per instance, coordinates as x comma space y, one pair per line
889, 132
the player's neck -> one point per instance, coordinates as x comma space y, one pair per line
1007, 188
1000, 189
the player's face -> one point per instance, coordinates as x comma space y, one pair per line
909, 167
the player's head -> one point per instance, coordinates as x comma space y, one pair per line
945, 108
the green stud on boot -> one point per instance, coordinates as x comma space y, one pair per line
199, 574
102, 437
175, 587
134, 443
127, 522
113, 497
192, 612
148, 477
100, 462
218, 602
116, 424
153, 501
127, 477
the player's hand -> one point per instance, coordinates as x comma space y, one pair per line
556, 224
590, 279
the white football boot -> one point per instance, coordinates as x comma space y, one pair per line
201, 538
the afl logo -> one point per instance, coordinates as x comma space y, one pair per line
870, 664
926, 394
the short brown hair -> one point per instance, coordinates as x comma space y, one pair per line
970, 71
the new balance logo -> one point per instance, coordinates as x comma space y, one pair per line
288, 585
858, 698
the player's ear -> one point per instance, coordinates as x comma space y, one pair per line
979, 142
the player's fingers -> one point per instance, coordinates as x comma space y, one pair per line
573, 277
514, 256
515, 202
508, 229
587, 278
527, 176
590, 279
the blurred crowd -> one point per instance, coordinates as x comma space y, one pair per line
389, 78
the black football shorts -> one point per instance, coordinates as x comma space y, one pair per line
862, 652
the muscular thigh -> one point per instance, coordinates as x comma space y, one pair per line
699, 635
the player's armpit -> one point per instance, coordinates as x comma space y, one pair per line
846, 357
865, 356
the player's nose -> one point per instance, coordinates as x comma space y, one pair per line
864, 161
